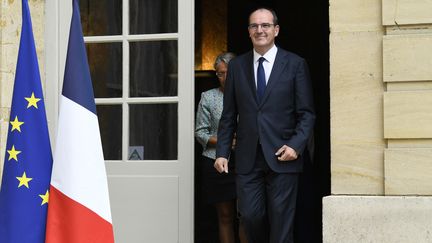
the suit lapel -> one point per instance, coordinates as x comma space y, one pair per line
277, 69
248, 66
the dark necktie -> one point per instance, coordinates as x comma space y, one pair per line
260, 79
261, 83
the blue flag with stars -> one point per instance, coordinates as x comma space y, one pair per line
28, 159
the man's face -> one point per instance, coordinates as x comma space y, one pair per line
262, 30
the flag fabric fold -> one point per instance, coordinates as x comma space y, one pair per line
27, 165
79, 209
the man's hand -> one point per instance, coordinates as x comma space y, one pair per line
286, 153
221, 165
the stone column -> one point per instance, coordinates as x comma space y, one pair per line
381, 116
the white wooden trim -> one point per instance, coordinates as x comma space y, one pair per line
125, 94
130, 38
137, 100
51, 67
186, 122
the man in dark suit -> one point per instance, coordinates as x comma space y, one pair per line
268, 108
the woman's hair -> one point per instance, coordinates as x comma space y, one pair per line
223, 57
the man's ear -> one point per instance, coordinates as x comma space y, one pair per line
277, 30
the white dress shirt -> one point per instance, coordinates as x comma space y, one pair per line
270, 57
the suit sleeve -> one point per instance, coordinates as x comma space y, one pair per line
228, 121
305, 112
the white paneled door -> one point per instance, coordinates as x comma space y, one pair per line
141, 58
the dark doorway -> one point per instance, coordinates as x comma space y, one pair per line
304, 30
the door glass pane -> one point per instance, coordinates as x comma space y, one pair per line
153, 69
110, 125
153, 130
101, 17
152, 16
105, 61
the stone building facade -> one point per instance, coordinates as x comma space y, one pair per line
381, 122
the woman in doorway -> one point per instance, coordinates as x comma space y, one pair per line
219, 188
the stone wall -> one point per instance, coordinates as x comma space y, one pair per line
10, 29
407, 68
380, 219
381, 116
356, 90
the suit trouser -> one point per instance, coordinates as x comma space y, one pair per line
267, 202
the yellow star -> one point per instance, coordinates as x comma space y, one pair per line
13, 153
32, 101
24, 180
44, 198
16, 124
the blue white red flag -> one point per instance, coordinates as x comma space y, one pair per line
79, 209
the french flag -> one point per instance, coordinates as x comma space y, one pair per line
78, 208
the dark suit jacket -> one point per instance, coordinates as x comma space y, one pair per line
284, 116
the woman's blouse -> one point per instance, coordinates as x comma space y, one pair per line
207, 119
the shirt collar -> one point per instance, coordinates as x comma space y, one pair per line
270, 55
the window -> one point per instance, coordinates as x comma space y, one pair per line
132, 48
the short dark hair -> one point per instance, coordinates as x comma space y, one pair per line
275, 18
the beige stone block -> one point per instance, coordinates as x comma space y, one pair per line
407, 57
408, 114
356, 91
9, 57
355, 57
357, 167
408, 171
10, 20
355, 15
4, 118
375, 219
409, 86
409, 143
401, 12
4, 123
4, 113
6, 89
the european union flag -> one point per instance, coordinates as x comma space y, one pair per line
28, 159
